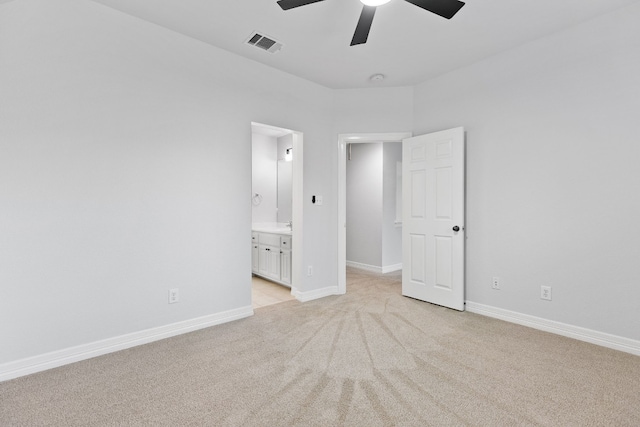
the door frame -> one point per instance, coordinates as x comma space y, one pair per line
297, 199
343, 140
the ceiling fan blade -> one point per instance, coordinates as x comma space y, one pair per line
290, 4
444, 8
364, 25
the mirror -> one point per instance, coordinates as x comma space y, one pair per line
285, 170
272, 175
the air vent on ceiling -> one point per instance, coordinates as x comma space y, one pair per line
264, 43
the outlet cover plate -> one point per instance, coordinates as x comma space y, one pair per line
174, 296
545, 293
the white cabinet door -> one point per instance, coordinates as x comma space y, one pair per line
263, 260
433, 218
274, 263
255, 258
285, 266
271, 258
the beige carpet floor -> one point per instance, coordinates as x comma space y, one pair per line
368, 358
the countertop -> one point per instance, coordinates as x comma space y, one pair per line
276, 228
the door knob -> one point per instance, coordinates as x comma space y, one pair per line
456, 228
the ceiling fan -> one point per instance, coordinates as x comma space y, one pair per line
444, 8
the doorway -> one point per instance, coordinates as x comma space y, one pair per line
283, 229
343, 141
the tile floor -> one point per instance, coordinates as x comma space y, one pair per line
264, 292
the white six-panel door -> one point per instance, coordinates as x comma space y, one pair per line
433, 191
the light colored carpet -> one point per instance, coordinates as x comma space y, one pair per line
368, 358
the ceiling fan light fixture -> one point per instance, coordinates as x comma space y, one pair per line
374, 2
443, 8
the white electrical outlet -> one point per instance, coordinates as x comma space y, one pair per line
545, 293
310, 270
174, 296
495, 283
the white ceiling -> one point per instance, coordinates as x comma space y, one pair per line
406, 44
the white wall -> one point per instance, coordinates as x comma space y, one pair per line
364, 204
391, 233
373, 110
125, 171
264, 177
284, 142
552, 172
373, 239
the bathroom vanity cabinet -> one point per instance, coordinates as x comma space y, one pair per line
271, 256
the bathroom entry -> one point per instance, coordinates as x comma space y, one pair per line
276, 203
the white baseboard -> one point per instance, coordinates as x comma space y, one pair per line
374, 268
391, 268
588, 335
315, 294
367, 267
58, 358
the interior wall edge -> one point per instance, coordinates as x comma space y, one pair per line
306, 296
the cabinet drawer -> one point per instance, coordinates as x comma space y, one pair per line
270, 239
254, 237
285, 242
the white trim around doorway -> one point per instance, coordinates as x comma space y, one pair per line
343, 140
296, 205
297, 214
